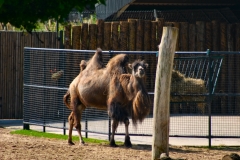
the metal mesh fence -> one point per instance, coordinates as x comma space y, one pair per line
48, 73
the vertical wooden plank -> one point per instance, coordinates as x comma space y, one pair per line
84, 37
107, 36
223, 73
237, 66
153, 59
93, 36
76, 32
215, 47
215, 35
200, 30
147, 33
8, 74
132, 34
140, 34
177, 25
67, 37
123, 38
209, 35
192, 37
147, 47
115, 36
14, 86
231, 73
19, 76
4, 69
100, 32
153, 36
160, 23
183, 36
1, 73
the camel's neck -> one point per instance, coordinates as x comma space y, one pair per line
137, 84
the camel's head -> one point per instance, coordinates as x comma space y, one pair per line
138, 68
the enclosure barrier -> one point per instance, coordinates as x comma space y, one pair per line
48, 73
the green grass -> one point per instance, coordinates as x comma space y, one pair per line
58, 136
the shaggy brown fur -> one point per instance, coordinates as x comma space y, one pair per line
128, 97
90, 88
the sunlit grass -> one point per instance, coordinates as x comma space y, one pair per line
58, 136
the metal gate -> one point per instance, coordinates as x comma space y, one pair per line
48, 73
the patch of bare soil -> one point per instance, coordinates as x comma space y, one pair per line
21, 147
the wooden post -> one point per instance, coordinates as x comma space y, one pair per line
67, 37
200, 28
115, 36
76, 32
183, 36
123, 36
215, 35
209, 35
107, 36
192, 37
132, 34
100, 26
237, 60
139, 36
92, 36
84, 36
231, 78
153, 36
162, 92
223, 72
147, 34
160, 23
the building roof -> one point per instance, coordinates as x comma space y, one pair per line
171, 10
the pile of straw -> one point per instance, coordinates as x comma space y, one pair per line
186, 86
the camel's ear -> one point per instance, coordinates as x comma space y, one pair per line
130, 66
146, 64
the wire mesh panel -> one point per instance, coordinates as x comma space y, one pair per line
48, 73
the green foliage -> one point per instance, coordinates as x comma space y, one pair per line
58, 136
26, 14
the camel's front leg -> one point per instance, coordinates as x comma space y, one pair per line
114, 127
127, 141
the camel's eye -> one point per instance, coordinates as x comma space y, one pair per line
136, 66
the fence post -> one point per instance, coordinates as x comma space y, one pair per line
210, 88
162, 92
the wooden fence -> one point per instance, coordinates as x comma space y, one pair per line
145, 35
134, 34
11, 67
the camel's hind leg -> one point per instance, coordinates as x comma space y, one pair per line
114, 127
76, 115
71, 122
80, 109
127, 141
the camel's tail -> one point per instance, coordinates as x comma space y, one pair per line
66, 99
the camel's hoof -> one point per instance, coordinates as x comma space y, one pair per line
127, 142
81, 144
113, 144
70, 143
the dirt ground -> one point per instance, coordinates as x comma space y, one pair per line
19, 147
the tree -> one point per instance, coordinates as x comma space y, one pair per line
26, 13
